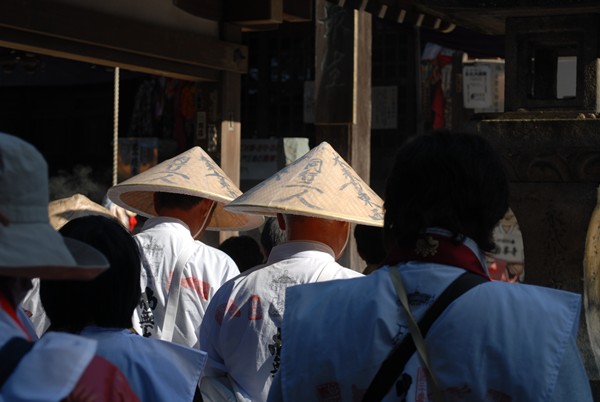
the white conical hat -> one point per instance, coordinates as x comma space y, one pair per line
192, 172
319, 184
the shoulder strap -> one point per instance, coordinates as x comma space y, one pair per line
11, 354
168, 325
393, 366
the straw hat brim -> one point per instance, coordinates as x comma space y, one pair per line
66, 209
139, 198
320, 184
193, 173
273, 210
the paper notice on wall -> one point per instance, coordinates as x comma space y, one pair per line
477, 87
259, 158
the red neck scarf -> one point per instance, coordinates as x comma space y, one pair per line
438, 249
12, 312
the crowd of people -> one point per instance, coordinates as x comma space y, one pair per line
91, 312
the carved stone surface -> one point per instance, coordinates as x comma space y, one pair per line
554, 167
547, 147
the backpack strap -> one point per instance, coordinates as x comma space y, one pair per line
393, 366
11, 354
172, 306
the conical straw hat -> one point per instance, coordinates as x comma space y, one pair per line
65, 209
192, 172
319, 184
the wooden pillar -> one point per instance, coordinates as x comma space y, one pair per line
231, 128
343, 91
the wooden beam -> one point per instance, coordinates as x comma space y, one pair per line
231, 117
343, 91
298, 10
208, 9
57, 47
334, 52
83, 26
248, 12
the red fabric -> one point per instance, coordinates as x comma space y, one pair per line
12, 312
438, 104
439, 250
132, 223
102, 382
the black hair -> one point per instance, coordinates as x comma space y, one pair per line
271, 235
455, 181
244, 250
369, 243
179, 201
109, 299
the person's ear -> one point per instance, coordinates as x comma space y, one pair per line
209, 205
156, 202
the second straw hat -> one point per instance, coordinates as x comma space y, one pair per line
319, 184
63, 210
192, 172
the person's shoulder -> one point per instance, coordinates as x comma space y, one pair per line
206, 252
497, 301
527, 293
344, 272
346, 282
158, 347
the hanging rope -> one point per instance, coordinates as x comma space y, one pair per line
116, 127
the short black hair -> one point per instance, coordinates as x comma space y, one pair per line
106, 301
455, 181
244, 250
180, 201
271, 235
369, 243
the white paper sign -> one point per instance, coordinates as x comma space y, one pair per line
477, 87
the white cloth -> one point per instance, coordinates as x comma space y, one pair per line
29, 327
157, 370
240, 331
499, 341
161, 240
34, 308
50, 370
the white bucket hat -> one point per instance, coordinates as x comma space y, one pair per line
192, 172
319, 184
66, 209
29, 246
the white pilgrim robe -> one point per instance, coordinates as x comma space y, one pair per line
240, 330
161, 241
